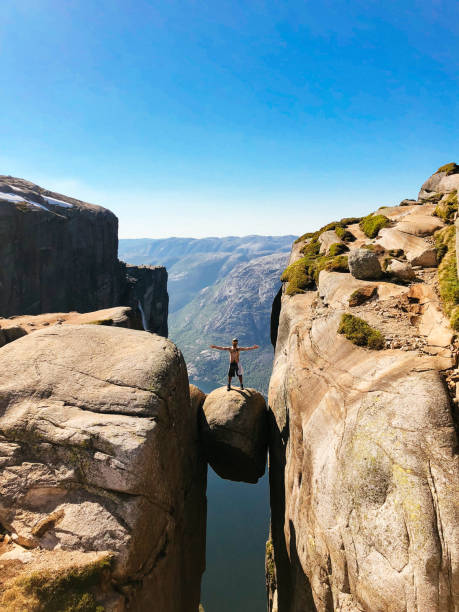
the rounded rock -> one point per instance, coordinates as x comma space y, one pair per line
364, 264
234, 433
401, 269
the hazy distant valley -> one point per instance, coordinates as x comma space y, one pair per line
218, 288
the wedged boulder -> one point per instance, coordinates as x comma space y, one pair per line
364, 264
100, 457
234, 433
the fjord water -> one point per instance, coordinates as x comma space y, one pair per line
237, 530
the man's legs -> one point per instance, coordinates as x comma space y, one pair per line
240, 380
230, 378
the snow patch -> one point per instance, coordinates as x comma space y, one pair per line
13, 197
56, 202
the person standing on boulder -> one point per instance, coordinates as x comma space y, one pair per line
235, 367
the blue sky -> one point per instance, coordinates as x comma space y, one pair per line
202, 118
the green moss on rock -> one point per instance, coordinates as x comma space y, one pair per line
69, 590
360, 332
451, 168
372, 224
350, 221
445, 243
269, 564
447, 208
344, 234
338, 248
304, 273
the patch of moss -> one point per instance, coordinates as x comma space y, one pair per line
304, 273
337, 249
447, 208
360, 332
338, 226
451, 168
372, 224
434, 198
297, 276
445, 243
350, 220
344, 234
269, 564
52, 591
382, 207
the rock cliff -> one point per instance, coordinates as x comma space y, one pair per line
102, 487
58, 254
363, 414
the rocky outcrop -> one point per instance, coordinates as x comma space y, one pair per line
234, 433
16, 327
146, 294
363, 452
445, 180
58, 254
100, 471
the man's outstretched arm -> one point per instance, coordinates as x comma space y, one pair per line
249, 348
220, 348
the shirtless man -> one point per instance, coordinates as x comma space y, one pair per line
235, 367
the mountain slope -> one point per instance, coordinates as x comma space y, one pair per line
218, 288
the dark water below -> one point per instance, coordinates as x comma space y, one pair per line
237, 530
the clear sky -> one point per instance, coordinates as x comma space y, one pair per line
195, 118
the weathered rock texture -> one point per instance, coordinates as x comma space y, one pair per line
99, 455
58, 254
16, 327
234, 433
363, 454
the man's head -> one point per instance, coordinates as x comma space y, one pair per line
235, 341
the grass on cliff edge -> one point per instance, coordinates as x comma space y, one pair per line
372, 224
447, 208
54, 591
451, 168
360, 332
445, 244
304, 273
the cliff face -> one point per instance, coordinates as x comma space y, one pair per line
363, 456
102, 487
58, 254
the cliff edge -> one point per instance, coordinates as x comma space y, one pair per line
59, 254
363, 413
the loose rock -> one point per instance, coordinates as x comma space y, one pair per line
364, 264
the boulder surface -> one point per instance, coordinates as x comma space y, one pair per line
234, 433
364, 474
364, 264
99, 454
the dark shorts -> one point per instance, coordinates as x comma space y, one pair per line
234, 369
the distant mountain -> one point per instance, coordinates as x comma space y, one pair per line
218, 288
